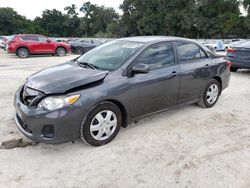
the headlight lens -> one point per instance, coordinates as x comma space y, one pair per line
56, 102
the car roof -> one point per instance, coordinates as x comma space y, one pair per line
152, 39
22, 35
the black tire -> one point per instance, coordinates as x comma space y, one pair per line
22, 52
79, 50
60, 51
85, 132
233, 69
204, 100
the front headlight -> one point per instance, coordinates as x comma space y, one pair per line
56, 102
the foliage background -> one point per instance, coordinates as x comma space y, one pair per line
185, 18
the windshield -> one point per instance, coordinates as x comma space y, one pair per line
111, 55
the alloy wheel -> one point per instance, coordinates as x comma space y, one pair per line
61, 52
22, 53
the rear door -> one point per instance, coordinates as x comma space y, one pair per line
32, 42
159, 88
195, 68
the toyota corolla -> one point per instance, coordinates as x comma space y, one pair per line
92, 96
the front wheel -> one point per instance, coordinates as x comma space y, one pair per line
101, 124
210, 94
60, 51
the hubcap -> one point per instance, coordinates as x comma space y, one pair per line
103, 125
212, 93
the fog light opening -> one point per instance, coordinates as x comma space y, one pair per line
48, 131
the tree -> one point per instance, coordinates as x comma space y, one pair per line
72, 21
216, 18
52, 22
11, 22
158, 17
97, 18
185, 18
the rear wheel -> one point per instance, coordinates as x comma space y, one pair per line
79, 50
102, 124
22, 52
233, 69
60, 51
210, 94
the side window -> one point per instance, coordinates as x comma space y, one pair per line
30, 38
34, 38
157, 56
190, 51
84, 41
42, 39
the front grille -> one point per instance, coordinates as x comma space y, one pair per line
30, 97
23, 125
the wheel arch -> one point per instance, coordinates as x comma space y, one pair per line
60, 46
218, 80
83, 49
123, 110
22, 47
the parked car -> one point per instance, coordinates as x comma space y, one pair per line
210, 45
235, 42
84, 45
218, 45
3, 40
61, 40
25, 44
239, 55
92, 96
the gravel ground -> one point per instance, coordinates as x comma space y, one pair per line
186, 147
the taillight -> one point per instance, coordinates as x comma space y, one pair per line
231, 50
229, 63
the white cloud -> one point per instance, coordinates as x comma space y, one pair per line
33, 8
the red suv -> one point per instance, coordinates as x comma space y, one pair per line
25, 44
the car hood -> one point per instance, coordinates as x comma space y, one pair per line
61, 78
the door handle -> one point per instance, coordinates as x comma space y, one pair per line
173, 74
206, 66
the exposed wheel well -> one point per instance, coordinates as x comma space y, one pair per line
219, 80
123, 111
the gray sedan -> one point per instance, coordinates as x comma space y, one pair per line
118, 82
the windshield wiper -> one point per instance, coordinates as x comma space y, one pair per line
87, 64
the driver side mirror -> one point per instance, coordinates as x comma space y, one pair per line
49, 40
140, 69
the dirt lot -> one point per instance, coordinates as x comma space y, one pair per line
186, 147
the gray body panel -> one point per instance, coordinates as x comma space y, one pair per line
240, 58
139, 94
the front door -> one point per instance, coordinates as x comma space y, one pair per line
45, 46
159, 88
